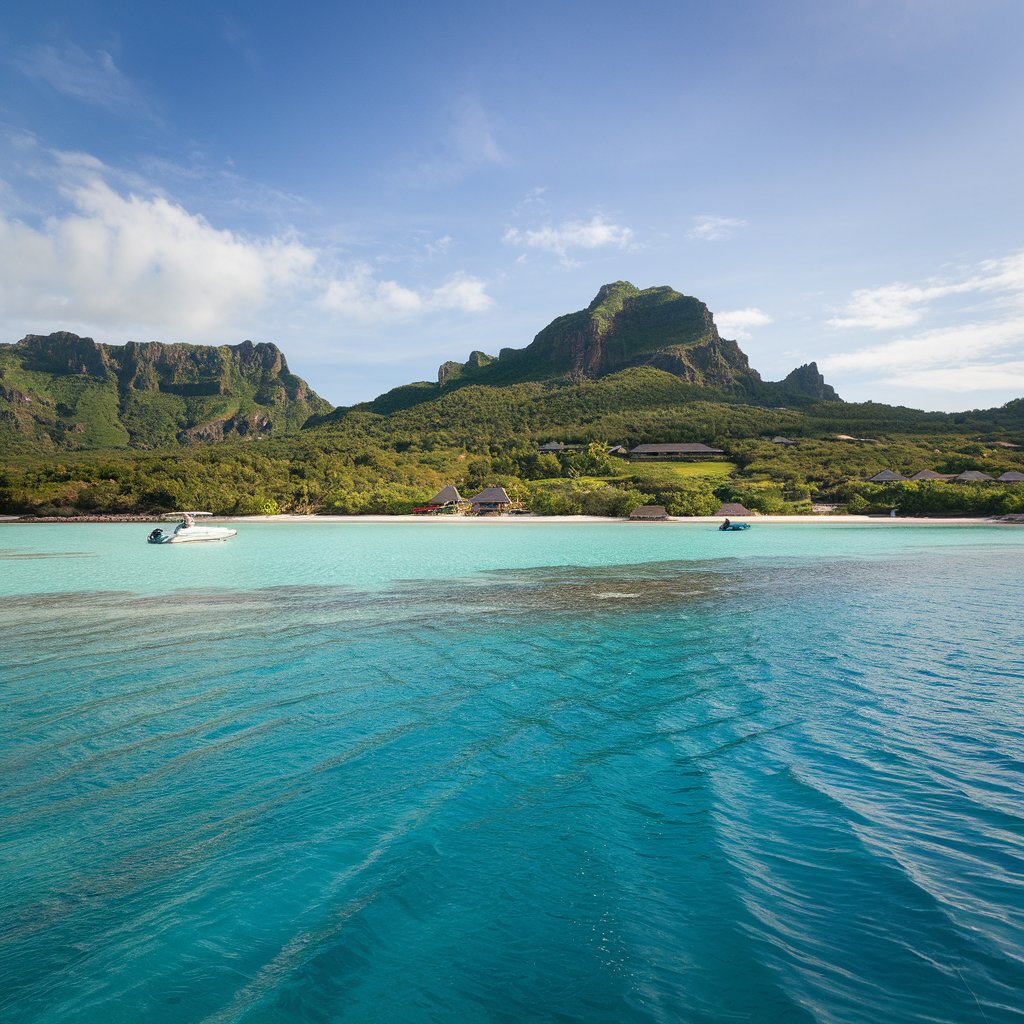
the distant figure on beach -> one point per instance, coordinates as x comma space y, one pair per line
725, 525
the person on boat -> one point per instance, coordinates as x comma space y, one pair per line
726, 525
188, 521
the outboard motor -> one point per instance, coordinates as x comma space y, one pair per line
156, 536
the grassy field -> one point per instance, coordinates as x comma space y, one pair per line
673, 472
649, 474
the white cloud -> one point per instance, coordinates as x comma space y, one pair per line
133, 263
708, 228
897, 305
950, 346
90, 77
597, 233
131, 260
359, 294
998, 377
738, 324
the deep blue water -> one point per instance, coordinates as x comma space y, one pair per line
467, 773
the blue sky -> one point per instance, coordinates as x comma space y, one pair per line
379, 189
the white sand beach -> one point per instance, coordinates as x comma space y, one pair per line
526, 520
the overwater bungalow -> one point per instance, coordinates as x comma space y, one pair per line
674, 451
490, 501
649, 514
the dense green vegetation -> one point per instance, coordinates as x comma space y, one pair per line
89, 428
365, 462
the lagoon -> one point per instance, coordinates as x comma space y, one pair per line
467, 772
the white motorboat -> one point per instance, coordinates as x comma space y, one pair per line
189, 531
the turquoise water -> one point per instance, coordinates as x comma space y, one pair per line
468, 772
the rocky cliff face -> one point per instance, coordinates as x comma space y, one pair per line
65, 391
625, 327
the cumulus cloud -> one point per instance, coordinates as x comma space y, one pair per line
125, 260
959, 345
899, 304
131, 262
739, 324
597, 233
976, 348
89, 77
709, 228
361, 295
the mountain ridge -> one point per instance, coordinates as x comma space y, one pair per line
63, 391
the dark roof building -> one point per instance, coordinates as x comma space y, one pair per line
1013, 477
733, 508
673, 451
887, 476
491, 499
552, 446
446, 496
783, 440
649, 513
930, 474
972, 476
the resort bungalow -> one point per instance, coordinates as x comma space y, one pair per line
784, 441
1013, 477
887, 476
649, 514
674, 451
447, 499
733, 508
490, 501
930, 474
972, 476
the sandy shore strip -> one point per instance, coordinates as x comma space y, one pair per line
532, 520
820, 520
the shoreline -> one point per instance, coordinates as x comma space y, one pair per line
291, 519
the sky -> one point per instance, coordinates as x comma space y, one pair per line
379, 188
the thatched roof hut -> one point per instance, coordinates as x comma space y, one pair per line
1013, 477
887, 476
733, 508
446, 496
491, 499
779, 439
930, 474
973, 476
648, 513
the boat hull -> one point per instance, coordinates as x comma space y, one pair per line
191, 535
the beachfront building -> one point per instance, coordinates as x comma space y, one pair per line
887, 476
674, 451
490, 501
930, 474
733, 508
649, 514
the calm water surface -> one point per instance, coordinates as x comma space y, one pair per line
472, 772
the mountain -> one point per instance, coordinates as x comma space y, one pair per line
624, 328
62, 392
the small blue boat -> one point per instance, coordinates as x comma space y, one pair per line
734, 526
